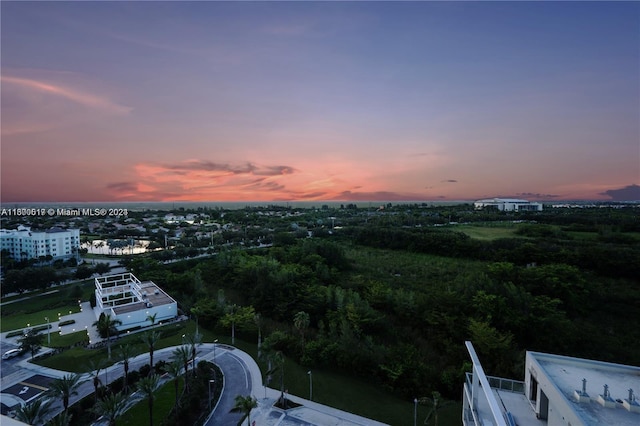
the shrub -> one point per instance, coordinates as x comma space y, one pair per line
67, 322
15, 333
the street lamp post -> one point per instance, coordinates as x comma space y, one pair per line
310, 385
210, 381
214, 350
415, 411
48, 332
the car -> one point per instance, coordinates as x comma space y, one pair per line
11, 353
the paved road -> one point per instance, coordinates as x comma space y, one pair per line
237, 381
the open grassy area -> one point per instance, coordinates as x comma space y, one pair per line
488, 233
38, 306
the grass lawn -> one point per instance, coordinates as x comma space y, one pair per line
488, 233
34, 310
165, 398
76, 359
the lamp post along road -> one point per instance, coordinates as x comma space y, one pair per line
415, 411
310, 385
214, 350
48, 332
210, 381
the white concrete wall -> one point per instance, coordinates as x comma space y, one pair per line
559, 414
139, 318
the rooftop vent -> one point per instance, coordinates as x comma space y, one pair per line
582, 395
605, 399
631, 404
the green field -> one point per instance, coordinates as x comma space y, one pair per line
488, 233
34, 310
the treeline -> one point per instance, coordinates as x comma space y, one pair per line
613, 255
400, 317
40, 278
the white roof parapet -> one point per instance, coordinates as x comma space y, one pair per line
486, 388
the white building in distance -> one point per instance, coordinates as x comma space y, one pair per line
124, 297
507, 205
557, 391
23, 243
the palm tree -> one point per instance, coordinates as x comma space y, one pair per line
301, 322
152, 318
245, 404
181, 355
34, 412
64, 387
150, 339
259, 323
125, 353
174, 369
147, 386
111, 407
106, 327
193, 340
94, 368
437, 403
62, 419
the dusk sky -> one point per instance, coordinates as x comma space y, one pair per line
275, 101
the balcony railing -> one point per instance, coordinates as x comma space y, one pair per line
500, 383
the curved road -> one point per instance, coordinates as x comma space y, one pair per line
237, 381
238, 378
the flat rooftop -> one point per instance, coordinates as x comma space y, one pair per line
567, 374
154, 294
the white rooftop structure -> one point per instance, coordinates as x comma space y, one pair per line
126, 298
558, 390
507, 204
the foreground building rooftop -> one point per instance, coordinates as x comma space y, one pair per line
133, 302
557, 390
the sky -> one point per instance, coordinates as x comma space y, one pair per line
354, 101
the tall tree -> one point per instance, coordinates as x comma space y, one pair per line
64, 387
31, 342
150, 339
193, 340
125, 353
106, 328
111, 407
436, 403
245, 404
174, 369
259, 321
94, 368
301, 323
147, 386
181, 355
240, 316
35, 412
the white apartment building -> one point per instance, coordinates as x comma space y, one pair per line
507, 205
557, 391
23, 243
124, 297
